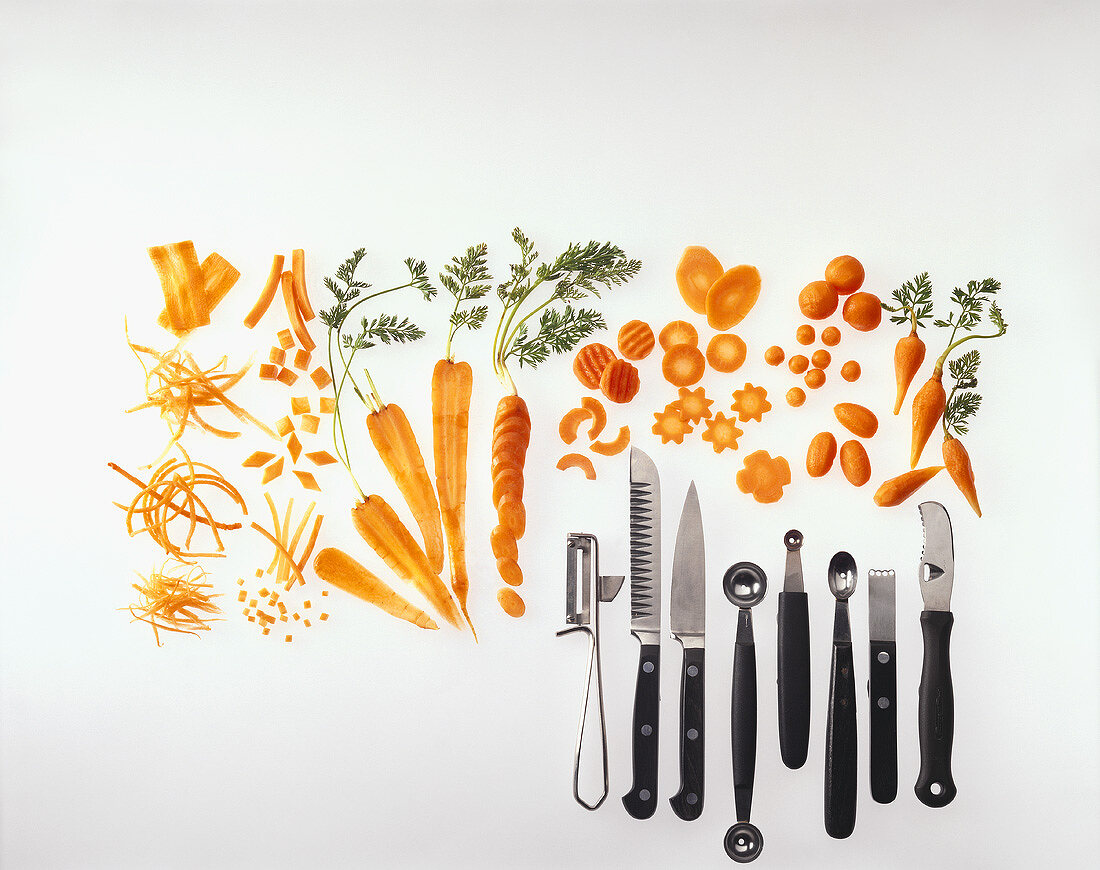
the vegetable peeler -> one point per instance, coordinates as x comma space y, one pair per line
585, 588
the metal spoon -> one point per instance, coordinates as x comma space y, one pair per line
840, 729
745, 585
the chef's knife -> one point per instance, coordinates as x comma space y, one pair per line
882, 686
645, 624
793, 659
936, 700
687, 619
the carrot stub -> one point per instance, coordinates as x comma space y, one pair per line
856, 419
732, 297
670, 426
815, 379
851, 371
804, 334
798, 363
862, 311
511, 603
830, 336
855, 463
796, 397
774, 355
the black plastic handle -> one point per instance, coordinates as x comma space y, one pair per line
936, 711
641, 801
687, 803
793, 665
840, 745
743, 715
882, 687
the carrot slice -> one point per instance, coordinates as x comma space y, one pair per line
576, 460
697, 270
272, 471
726, 352
218, 278
266, 295
751, 403
764, 477
678, 332
635, 340
257, 459
683, 365
693, 405
307, 480
298, 270
571, 423
321, 457
298, 325
613, 447
732, 297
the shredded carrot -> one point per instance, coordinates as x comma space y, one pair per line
175, 598
327, 404
267, 294
180, 273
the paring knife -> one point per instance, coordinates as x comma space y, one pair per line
793, 659
687, 619
936, 700
882, 686
645, 624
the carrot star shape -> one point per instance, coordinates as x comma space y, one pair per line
763, 477
751, 403
722, 432
693, 405
670, 425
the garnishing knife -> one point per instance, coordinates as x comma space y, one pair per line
645, 624
687, 619
793, 658
882, 686
936, 699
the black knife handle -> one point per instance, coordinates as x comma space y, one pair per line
687, 803
840, 745
936, 711
883, 689
793, 666
641, 801
743, 716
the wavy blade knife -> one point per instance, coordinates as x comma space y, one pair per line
645, 624
687, 619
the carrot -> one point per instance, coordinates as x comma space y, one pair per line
301, 296
897, 489
305, 340
267, 294
396, 444
914, 306
957, 461
342, 571
928, 405
452, 386
908, 356
511, 435
381, 528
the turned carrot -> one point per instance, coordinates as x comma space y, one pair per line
342, 571
957, 462
928, 405
908, 356
897, 489
913, 306
396, 444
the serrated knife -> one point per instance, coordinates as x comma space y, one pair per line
687, 619
935, 786
645, 624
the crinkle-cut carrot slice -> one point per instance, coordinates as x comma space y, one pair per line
597, 412
620, 381
683, 365
722, 432
285, 336
693, 405
571, 423
299, 404
732, 297
309, 423
764, 477
670, 426
266, 295
301, 297
272, 471
294, 447
321, 457
286, 376
268, 372
258, 459
328, 404
301, 359
320, 377
726, 352
697, 270
635, 340
180, 273
589, 363
277, 356
301, 333
307, 480
676, 333
615, 446
284, 426
577, 460
751, 403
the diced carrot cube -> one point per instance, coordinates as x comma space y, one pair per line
265, 592
272, 471
286, 339
301, 359
307, 480
306, 604
242, 596
328, 404
240, 581
324, 617
283, 426
310, 423
267, 630
252, 619
299, 405
259, 573
268, 372
287, 376
321, 457
294, 446
306, 623
320, 377
324, 593
282, 607
289, 638
282, 617
257, 459
296, 616
277, 356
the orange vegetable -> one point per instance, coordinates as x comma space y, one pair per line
928, 407
287, 377
257, 459
722, 432
726, 352
774, 355
285, 336
844, 274
177, 266
511, 435
820, 454
510, 602
301, 297
619, 381
732, 297
589, 363
957, 462
693, 405
751, 403
510, 572
796, 397
301, 359
856, 419
320, 378
295, 316
218, 278
830, 336
272, 471
576, 460
266, 295
821, 358
670, 426
697, 270
503, 543
815, 378
676, 333
683, 365
897, 489
636, 340
176, 599
307, 480
396, 444
763, 477
310, 423
570, 423
804, 334
342, 571
277, 357
851, 371
613, 447
855, 463
862, 311
908, 356
817, 300
798, 364
299, 404
327, 403
596, 411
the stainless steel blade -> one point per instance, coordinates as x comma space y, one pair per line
937, 564
688, 608
882, 604
645, 548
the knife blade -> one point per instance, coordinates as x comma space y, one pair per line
882, 685
935, 786
687, 619
645, 624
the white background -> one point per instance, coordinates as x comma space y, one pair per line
958, 140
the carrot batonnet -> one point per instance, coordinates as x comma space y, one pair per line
301, 296
342, 571
267, 294
305, 340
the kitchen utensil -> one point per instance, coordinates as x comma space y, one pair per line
793, 659
687, 619
585, 588
840, 728
645, 624
745, 585
882, 686
935, 786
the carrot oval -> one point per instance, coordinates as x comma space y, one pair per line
820, 454
509, 571
511, 603
856, 419
855, 463
503, 543
577, 460
732, 297
697, 270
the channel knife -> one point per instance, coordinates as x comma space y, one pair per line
645, 624
882, 685
793, 658
687, 619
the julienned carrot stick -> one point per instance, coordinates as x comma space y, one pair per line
267, 294
301, 296
342, 571
396, 444
452, 386
305, 341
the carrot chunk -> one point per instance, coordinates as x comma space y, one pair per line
277, 356
268, 372
299, 405
298, 270
286, 339
321, 378
286, 376
309, 423
613, 447
301, 359
283, 426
